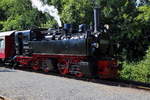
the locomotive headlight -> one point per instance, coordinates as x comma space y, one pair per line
95, 45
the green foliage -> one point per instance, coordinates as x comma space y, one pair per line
144, 15
77, 11
120, 16
139, 71
19, 15
143, 19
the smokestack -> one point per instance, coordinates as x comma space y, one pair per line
96, 19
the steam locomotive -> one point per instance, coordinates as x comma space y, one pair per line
65, 50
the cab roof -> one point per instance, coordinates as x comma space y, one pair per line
8, 33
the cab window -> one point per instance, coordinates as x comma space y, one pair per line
2, 43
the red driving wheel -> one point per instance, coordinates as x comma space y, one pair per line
35, 67
63, 71
79, 74
46, 70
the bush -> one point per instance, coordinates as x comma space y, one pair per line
138, 71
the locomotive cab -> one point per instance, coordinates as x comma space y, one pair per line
23, 38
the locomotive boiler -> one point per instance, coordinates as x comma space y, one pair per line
82, 52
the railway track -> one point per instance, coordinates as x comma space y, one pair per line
111, 82
135, 84
118, 82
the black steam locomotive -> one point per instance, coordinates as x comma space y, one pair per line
81, 53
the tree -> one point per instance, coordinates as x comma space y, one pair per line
125, 26
20, 15
77, 11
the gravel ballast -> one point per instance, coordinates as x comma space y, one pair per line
22, 85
